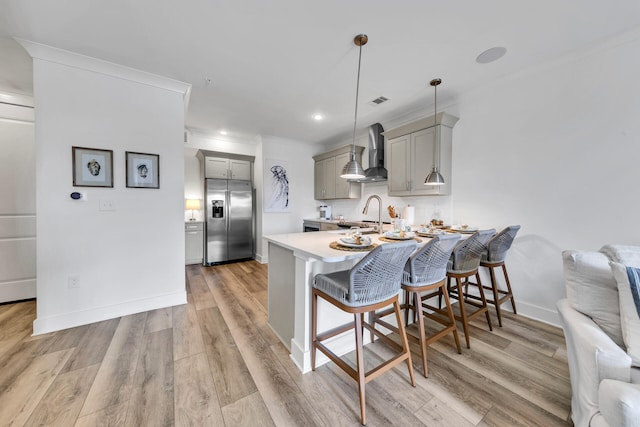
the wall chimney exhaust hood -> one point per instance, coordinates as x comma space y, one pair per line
376, 171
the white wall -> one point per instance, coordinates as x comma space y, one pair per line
298, 155
553, 149
127, 260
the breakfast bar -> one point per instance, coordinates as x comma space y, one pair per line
294, 260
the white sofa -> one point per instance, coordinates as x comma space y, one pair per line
605, 379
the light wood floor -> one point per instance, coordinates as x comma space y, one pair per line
215, 362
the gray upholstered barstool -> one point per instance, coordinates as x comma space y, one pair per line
426, 271
373, 283
494, 257
463, 264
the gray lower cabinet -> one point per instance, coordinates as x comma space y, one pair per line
194, 242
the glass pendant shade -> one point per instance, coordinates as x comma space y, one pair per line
434, 178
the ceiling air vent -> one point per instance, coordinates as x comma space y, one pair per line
379, 100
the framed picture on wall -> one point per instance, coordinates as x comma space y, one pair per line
92, 167
143, 170
276, 186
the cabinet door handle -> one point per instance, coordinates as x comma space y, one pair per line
192, 232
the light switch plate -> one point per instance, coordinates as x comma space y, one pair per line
107, 205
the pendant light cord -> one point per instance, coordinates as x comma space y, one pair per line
435, 127
355, 116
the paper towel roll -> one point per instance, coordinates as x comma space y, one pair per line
409, 214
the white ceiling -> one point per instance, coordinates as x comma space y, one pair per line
274, 63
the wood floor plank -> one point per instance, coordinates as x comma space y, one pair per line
248, 411
114, 381
16, 320
112, 416
436, 413
159, 319
546, 390
247, 311
61, 404
21, 397
92, 347
273, 381
538, 360
232, 378
151, 402
202, 298
317, 389
187, 338
196, 400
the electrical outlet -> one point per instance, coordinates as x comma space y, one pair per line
74, 282
107, 205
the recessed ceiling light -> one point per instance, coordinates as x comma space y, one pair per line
223, 132
318, 117
491, 55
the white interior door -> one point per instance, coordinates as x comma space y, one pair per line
18, 207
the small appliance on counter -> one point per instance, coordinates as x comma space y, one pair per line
325, 212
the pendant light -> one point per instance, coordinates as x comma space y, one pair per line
434, 177
353, 169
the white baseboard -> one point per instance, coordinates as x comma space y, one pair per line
98, 314
536, 313
17, 290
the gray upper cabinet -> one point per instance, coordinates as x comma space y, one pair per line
327, 169
411, 156
219, 167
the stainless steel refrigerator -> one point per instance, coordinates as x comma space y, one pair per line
229, 211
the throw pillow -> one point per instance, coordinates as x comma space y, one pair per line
592, 290
628, 279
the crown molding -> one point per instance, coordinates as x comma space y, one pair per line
87, 63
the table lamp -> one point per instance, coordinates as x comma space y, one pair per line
192, 204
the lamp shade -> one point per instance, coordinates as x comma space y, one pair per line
434, 178
352, 170
192, 204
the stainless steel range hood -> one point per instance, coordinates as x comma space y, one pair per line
376, 171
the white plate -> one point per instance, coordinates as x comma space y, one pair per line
351, 243
395, 235
427, 233
463, 230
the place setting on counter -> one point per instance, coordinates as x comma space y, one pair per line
353, 242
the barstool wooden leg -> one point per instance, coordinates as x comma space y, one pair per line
360, 366
484, 302
314, 328
423, 335
405, 341
463, 311
506, 278
496, 296
407, 306
452, 319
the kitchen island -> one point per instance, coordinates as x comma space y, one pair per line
294, 260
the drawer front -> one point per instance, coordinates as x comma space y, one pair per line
193, 226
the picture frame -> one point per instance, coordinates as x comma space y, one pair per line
92, 167
143, 170
276, 186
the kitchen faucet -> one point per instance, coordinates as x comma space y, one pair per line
366, 209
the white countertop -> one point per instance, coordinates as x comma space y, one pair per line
316, 244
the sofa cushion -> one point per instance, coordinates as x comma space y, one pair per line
592, 290
623, 254
628, 279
